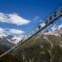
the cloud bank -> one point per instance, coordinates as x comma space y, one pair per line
55, 27
13, 19
2, 32
5, 32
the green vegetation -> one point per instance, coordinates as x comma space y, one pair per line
37, 49
8, 58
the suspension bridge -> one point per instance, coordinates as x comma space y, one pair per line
56, 14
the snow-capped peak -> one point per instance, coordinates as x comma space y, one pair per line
13, 39
52, 33
16, 39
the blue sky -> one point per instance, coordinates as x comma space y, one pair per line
32, 12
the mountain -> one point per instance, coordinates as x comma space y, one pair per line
14, 39
5, 44
43, 47
9, 37
9, 41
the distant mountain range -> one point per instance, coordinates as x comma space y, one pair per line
14, 39
9, 41
39, 45
6, 42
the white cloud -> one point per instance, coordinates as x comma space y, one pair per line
54, 28
36, 18
13, 19
16, 31
5, 32
15, 39
43, 24
60, 26
2, 32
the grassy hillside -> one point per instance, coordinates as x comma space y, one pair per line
8, 58
40, 49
